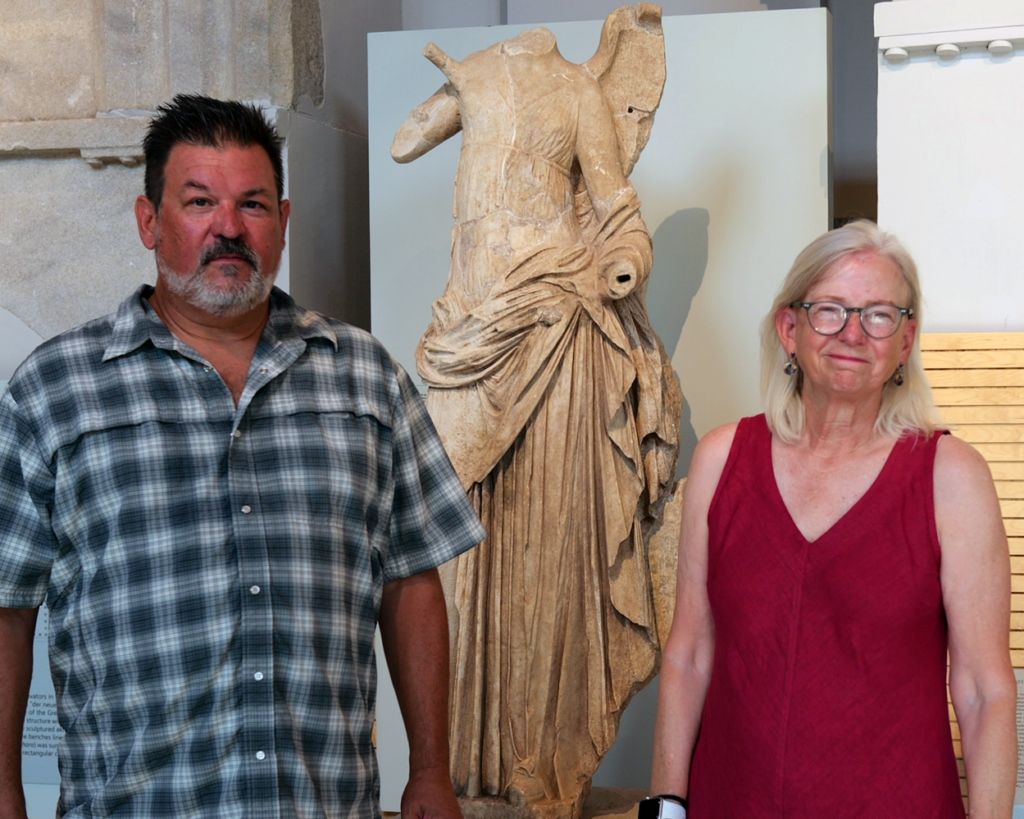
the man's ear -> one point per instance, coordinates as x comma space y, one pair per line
146, 218
286, 211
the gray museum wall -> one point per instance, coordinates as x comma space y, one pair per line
328, 238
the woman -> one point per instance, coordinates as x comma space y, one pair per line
830, 551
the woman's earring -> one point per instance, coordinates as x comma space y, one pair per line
792, 368
898, 378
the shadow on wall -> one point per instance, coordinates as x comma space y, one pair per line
681, 245
680, 261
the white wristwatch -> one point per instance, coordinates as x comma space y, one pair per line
663, 806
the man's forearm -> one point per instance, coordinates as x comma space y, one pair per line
414, 632
17, 632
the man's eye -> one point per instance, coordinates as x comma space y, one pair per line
252, 204
201, 202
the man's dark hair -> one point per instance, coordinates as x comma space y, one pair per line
193, 119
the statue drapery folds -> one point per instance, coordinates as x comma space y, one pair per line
554, 398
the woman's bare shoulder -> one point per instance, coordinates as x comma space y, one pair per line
956, 461
965, 497
709, 458
718, 441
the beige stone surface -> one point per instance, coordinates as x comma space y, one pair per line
77, 78
663, 555
69, 250
46, 68
74, 59
99, 141
613, 803
602, 803
555, 400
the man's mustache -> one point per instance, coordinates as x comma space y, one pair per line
226, 246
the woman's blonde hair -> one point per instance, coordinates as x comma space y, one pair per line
909, 407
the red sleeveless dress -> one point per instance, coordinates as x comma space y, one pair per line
828, 690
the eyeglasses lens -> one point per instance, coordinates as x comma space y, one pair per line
878, 321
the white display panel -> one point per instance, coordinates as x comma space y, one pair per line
950, 166
734, 183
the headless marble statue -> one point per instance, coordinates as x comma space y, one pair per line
554, 399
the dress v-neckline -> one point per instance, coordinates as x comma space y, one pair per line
836, 523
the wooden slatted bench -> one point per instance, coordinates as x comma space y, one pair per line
978, 382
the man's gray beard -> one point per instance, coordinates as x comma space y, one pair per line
226, 302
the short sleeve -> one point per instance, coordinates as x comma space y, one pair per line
432, 519
27, 544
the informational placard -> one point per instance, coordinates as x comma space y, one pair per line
42, 732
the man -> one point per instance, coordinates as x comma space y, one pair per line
217, 494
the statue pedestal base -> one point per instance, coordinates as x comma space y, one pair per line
613, 803
603, 803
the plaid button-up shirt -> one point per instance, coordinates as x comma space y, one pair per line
213, 573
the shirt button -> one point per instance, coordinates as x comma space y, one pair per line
264, 370
236, 434
260, 755
246, 509
258, 676
254, 589
207, 368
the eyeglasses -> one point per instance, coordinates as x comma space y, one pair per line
829, 318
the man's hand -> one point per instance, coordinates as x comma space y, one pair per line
429, 795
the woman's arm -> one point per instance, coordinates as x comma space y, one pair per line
686, 662
975, 576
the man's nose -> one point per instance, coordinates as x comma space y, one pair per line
228, 221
